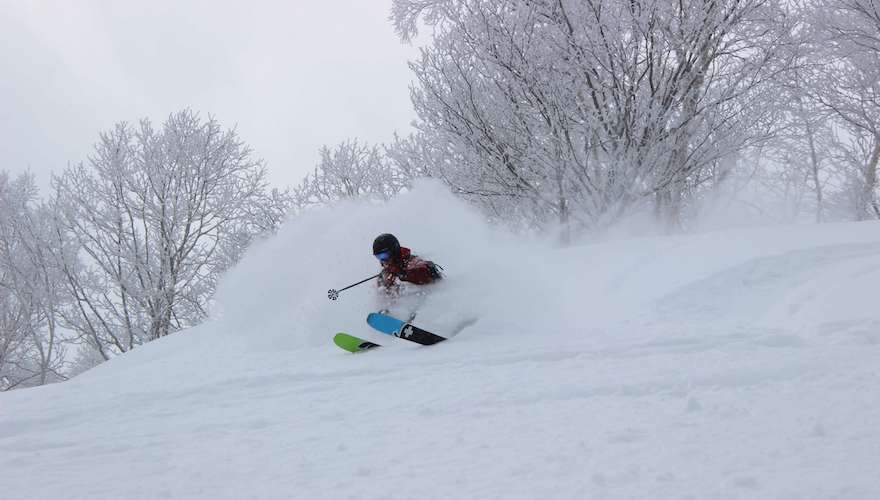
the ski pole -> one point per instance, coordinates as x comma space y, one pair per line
333, 294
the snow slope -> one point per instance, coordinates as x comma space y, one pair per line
742, 364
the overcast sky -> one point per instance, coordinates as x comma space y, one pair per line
291, 75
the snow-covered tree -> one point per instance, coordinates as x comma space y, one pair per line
349, 170
796, 168
578, 111
31, 346
850, 88
412, 157
155, 216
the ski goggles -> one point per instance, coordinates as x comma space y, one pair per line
383, 256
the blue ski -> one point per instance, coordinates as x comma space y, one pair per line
397, 328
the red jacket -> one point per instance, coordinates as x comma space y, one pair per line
410, 268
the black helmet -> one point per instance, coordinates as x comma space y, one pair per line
386, 243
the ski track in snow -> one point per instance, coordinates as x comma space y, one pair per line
726, 365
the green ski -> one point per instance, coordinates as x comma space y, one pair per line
353, 344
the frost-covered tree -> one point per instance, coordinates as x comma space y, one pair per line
797, 167
31, 346
349, 170
850, 88
804, 147
154, 217
578, 111
412, 157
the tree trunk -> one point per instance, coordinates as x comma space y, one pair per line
814, 164
869, 191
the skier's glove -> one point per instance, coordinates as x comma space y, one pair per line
386, 278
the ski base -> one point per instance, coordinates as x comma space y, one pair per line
353, 344
397, 328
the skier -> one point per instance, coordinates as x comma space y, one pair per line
399, 263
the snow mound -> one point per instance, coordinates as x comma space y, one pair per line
734, 364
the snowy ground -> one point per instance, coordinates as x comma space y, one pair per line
741, 364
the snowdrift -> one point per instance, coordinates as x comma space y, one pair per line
738, 364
